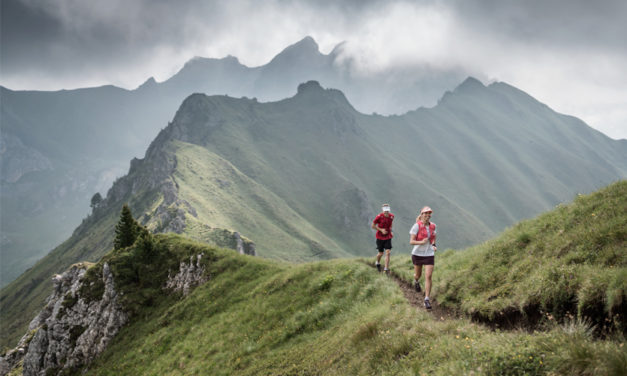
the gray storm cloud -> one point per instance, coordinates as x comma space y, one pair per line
568, 54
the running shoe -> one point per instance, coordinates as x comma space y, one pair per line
417, 286
378, 267
427, 304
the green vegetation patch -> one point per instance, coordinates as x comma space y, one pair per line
335, 317
141, 270
566, 264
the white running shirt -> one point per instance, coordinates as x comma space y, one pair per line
424, 249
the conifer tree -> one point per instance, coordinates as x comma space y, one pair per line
126, 230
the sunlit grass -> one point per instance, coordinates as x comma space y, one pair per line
337, 317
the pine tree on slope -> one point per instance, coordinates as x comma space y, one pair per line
126, 230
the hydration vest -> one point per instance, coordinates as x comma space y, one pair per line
423, 232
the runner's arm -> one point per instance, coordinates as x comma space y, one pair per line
413, 241
374, 224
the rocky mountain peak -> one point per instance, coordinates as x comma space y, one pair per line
306, 45
202, 66
147, 84
309, 87
305, 52
469, 84
313, 90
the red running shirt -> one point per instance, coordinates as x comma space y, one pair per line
384, 222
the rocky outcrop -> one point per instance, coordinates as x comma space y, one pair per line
244, 247
189, 275
70, 331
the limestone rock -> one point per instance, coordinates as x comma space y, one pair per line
189, 275
244, 248
70, 331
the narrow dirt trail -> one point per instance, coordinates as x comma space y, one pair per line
514, 321
416, 299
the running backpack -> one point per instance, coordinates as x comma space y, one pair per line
422, 231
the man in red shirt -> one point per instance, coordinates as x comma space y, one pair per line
383, 224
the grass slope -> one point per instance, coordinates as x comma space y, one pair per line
224, 197
569, 262
337, 317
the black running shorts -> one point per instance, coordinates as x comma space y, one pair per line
422, 260
384, 244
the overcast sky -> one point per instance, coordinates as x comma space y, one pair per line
569, 54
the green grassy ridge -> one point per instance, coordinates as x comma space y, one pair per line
224, 197
337, 317
318, 155
568, 262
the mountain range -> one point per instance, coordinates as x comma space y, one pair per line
57, 149
302, 178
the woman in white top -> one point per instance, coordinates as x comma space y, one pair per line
422, 236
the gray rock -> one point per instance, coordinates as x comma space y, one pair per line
189, 275
244, 248
69, 332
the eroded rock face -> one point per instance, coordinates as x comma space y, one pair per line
70, 331
244, 247
189, 275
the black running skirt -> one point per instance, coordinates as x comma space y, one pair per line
422, 260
